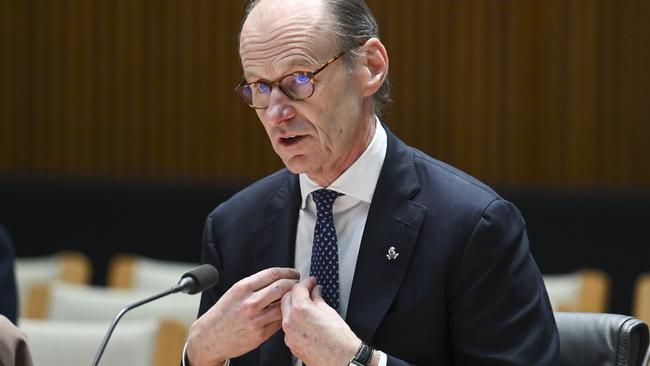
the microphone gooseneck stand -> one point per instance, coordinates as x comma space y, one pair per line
197, 280
119, 315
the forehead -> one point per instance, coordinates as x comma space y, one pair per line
281, 34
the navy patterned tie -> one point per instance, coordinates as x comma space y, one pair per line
325, 251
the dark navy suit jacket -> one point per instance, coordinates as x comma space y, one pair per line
8, 297
464, 289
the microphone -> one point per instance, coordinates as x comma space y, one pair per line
197, 280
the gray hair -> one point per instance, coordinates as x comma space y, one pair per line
353, 24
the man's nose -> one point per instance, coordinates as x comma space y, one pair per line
280, 108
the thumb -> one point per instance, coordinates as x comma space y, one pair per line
317, 294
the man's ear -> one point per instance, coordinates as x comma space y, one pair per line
375, 63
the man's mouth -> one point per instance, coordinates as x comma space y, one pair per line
291, 140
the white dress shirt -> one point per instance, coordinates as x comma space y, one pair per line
350, 212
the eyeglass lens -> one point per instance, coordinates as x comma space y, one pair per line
297, 86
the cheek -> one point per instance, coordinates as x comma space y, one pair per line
332, 118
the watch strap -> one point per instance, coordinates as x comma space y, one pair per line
363, 355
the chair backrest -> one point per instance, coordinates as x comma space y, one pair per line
601, 339
134, 343
586, 290
642, 298
68, 266
137, 272
63, 301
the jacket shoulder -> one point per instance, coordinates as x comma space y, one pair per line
441, 178
248, 201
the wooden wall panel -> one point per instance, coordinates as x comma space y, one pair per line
581, 100
642, 116
519, 93
547, 148
13, 58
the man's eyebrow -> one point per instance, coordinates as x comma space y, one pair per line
248, 75
297, 62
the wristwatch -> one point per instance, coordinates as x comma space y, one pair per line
362, 358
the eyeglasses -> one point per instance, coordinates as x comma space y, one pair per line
297, 86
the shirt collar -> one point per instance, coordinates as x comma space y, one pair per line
360, 179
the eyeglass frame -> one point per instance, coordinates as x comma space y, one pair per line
278, 82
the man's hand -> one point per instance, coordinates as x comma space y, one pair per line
314, 331
244, 317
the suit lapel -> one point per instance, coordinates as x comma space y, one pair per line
274, 240
393, 221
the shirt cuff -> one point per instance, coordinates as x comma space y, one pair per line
383, 359
186, 362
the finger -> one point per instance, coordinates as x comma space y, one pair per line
317, 296
272, 293
308, 283
317, 293
266, 277
311, 282
276, 302
285, 303
270, 314
271, 328
302, 289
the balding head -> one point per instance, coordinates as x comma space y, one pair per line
274, 25
349, 22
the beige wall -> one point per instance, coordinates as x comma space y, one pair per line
525, 93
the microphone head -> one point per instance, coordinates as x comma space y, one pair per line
199, 279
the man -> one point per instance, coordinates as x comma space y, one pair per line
417, 263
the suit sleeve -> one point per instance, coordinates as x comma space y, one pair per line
211, 255
394, 361
8, 294
499, 312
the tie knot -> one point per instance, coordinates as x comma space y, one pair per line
324, 199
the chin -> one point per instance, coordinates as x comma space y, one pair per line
297, 169
295, 166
